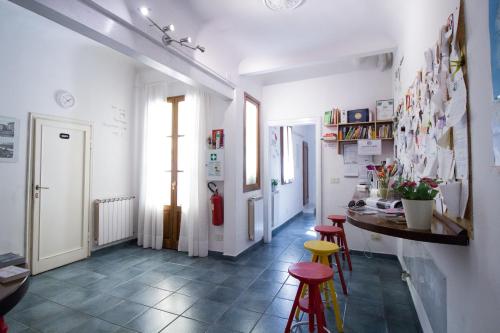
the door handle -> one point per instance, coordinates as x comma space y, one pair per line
38, 188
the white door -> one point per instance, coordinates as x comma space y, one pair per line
60, 193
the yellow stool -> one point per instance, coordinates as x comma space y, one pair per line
321, 250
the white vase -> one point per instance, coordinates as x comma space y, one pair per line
418, 213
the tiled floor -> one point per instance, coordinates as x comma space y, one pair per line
129, 289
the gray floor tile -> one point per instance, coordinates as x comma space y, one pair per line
176, 303
150, 296
239, 320
127, 289
187, 325
75, 297
99, 304
252, 301
123, 312
65, 321
224, 295
48, 287
14, 326
280, 307
95, 325
151, 321
288, 292
28, 301
206, 311
37, 313
197, 289
172, 283
268, 324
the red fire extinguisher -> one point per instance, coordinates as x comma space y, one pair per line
217, 205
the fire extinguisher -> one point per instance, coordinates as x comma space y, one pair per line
217, 205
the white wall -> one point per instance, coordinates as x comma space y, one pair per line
34, 66
473, 272
310, 99
290, 195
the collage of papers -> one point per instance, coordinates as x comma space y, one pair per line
431, 137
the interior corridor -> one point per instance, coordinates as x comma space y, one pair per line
130, 289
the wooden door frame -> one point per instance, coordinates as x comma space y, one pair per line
305, 173
32, 117
174, 100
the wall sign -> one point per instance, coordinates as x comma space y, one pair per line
9, 139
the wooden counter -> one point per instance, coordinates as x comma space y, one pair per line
443, 230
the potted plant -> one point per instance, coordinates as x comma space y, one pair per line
384, 173
274, 184
418, 201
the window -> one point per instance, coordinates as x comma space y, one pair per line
251, 151
287, 162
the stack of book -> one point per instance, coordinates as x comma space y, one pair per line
356, 132
11, 259
332, 117
12, 273
384, 132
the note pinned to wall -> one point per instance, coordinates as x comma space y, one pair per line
369, 147
351, 161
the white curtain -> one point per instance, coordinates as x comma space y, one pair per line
154, 183
194, 201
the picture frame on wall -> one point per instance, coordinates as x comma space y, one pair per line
385, 110
9, 139
494, 27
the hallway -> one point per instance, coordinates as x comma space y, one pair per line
130, 289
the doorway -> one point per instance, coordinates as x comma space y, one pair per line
172, 211
60, 184
293, 165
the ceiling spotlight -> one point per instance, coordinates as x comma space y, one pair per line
168, 28
201, 48
185, 40
282, 4
144, 11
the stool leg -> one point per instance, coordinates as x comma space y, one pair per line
341, 275
336, 309
3, 326
313, 294
346, 251
323, 236
324, 286
295, 307
320, 317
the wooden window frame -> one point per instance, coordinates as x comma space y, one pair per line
256, 185
282, 155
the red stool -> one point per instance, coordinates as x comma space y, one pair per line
338, 221
327, 234
311, 274
3, 326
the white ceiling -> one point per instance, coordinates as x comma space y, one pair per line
319, 34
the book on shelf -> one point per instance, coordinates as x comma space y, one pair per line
385, 132
12, 273
332, 117
11, 259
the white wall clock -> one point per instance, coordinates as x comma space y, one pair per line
65, 99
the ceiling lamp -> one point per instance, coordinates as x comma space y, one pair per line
283, 4
167, 39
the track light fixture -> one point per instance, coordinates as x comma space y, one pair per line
166, 38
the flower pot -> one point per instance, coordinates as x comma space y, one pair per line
418, 213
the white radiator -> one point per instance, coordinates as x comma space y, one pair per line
113, 219
255, 218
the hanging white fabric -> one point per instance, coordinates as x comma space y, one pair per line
154, 182
194, 201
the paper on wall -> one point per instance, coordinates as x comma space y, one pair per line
461, 147
431, 167
351, 161
363, 162
458, 93
451, 193
464, 197
445, 163
369, 147
429, 61
495, 129
443, 139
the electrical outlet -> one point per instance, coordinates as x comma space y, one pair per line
375, 236
219, 237
334, 180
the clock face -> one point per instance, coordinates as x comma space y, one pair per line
65, 99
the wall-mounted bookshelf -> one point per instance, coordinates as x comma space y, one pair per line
352, 132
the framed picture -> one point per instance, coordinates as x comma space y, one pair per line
385, 109
9, 139
494, 16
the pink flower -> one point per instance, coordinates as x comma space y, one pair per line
370, 167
